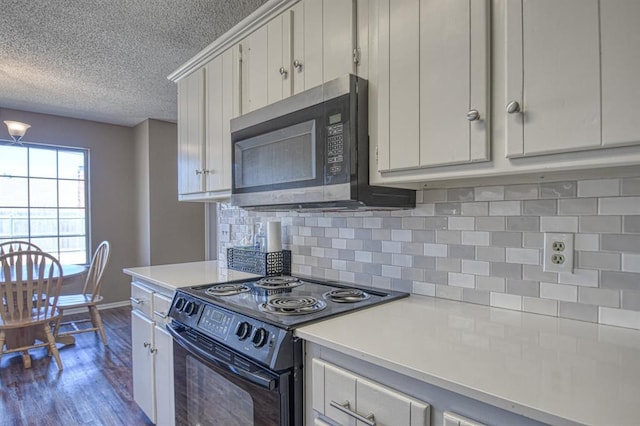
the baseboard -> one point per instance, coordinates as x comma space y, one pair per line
100, 307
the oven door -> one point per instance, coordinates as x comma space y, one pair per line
215, 386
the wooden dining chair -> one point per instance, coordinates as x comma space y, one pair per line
89, 298
17, 245
30, 283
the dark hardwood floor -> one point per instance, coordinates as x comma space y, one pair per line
94, 388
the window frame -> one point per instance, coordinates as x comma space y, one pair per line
87, 196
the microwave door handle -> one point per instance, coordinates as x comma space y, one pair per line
254, 377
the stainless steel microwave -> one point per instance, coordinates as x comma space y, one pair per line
309, 151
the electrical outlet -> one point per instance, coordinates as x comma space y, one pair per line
558, 252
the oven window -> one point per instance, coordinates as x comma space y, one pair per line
282, 156
206, 389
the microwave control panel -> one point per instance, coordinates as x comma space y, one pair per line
335, 149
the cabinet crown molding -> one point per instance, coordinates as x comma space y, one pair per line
255, 20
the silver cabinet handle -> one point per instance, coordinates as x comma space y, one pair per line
147, 344
153, 350
283, 72
136, 301
345, 407
297, 64
160, 314
473, 115
199, 172
513, 107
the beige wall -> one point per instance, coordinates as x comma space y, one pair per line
133, 192
176, 229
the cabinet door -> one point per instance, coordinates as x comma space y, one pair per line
553, 72
279, 76
306, 19
255, 57
191, 133
422, 122
142, 364
223, 91
165, 400
338, 37
453, 49
620, 44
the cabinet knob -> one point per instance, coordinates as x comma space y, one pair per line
297, 64
147, 344
473, 115
513, 107
283, 72
198, 172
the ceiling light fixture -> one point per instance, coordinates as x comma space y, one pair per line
16, 129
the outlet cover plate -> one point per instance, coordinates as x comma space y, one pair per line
563, 258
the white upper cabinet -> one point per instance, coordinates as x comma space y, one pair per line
429, 78
620, 53
223, 104
191, 133
207, 100
312, 42
571, 75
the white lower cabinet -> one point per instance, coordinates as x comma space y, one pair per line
341, 397
152, 354
452, 419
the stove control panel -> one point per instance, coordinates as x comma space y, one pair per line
248, 336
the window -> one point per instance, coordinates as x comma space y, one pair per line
43, 199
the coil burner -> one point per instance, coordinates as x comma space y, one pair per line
346, 295
278, 283
227, 289
292, 305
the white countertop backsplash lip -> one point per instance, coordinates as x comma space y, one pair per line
554, 370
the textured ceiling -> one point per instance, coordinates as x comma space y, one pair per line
101, 60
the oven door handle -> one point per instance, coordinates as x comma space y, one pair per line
254, 377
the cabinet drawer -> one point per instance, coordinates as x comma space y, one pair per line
346, 398
142, 299
161, 304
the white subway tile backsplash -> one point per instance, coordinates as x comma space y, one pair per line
630, 186
507, 301
505, 208
577, 206
462, 223
475, 209
489, 193
559, 224
462, 280
586, 242
583, 277
475, 267
631, 262
438, 250
620, 205
479, 245
620, 317
475, 238
567, 293
523, 256
599, 188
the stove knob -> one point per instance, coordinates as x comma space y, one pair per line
260, 337
190, 308
179, 304
244, 330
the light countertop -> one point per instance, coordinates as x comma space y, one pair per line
550, 369
178, 275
